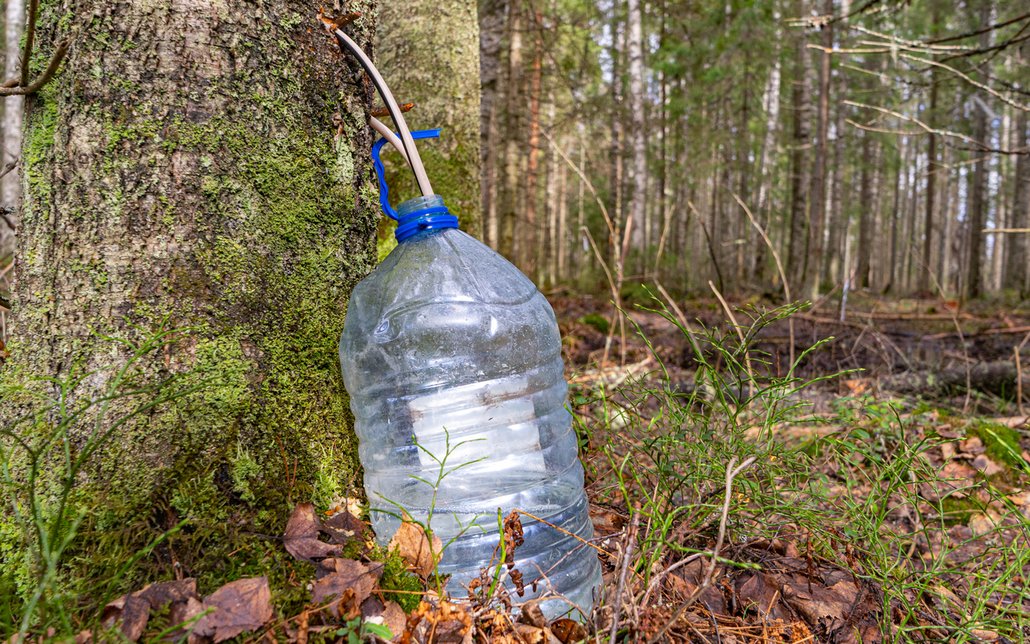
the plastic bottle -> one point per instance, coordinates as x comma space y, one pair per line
452, 359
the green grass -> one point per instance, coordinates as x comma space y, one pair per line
870, 497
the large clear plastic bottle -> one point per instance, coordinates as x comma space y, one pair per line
452, 359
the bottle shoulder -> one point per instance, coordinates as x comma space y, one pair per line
447, 265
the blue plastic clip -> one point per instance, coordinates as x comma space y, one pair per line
384, 190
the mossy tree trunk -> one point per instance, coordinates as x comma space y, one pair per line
197, 165
428, 51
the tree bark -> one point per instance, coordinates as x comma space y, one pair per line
429, 54
201, 167
491, 35
865, 217
10, 186
819, 171
1016, 260
635, 223
508, 206
797, 244
978, 201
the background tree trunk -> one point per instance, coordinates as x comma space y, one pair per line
429, 54
185, 170
1016, 260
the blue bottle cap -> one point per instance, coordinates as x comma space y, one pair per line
416, 215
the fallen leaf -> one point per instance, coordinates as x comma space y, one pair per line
568, 630
130, 613
242, 605
166, 592
982, 524
987, 466
389, 614
301, 538
760, 594
344, 575
344, 526
413, 545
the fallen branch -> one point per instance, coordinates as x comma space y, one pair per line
996, 377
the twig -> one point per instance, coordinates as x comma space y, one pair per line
732, 470
665, 573
740, 333
1019, 374
788, 300
926, 128
627, 555
42, 79
687, 327
30, 34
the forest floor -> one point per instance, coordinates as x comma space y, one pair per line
888, 502
755, 474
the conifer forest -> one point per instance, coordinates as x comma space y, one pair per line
515, 321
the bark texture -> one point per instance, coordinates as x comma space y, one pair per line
428, 52
204, 166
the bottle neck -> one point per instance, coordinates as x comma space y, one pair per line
422, 214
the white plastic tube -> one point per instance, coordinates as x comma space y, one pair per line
407, 143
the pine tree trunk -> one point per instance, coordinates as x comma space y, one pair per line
797, 244
865, 218
202, 168
508, 197
1016, 261
978, 200
491, 35
429, 54
635, 223
819, 171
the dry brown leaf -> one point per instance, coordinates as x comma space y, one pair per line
301, 538
389, 614
241, 605
413, 545
568, 630
131, 613
346, 575
343, 527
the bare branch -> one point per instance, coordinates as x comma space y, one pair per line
970, 34
926, 128
43, 78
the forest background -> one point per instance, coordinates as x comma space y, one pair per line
767, 151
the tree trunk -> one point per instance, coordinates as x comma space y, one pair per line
819, 173
978, 200
530, 240
865, 216
429, 53
797, 245
1016, 260
491, 35
10, 186
635, 223
931, 186
200, 168
771, 106
513, 125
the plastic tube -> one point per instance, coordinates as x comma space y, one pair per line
407, 143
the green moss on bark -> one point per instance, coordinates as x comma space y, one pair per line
230, 207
